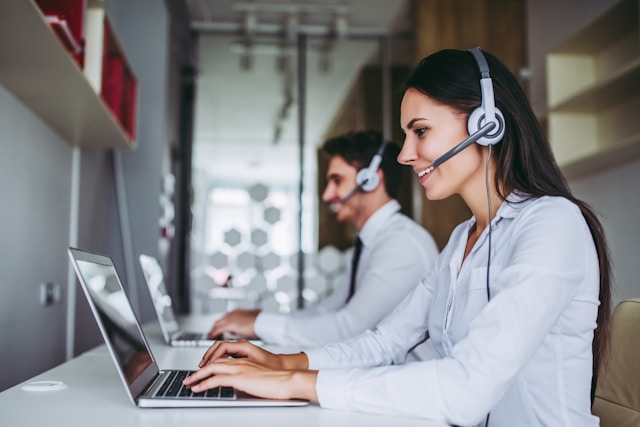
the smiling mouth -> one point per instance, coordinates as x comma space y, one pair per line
426, 171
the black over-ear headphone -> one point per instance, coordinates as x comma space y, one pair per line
486, 123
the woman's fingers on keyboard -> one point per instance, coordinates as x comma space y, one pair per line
225, 349
206, 378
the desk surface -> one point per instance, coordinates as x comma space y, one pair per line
95, 394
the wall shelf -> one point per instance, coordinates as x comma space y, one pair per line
37, 68
593, 92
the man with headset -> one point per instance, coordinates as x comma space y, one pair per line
363, 179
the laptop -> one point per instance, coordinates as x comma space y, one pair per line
146, 384
171, 332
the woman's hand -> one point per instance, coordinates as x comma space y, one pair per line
257, 380
221, 350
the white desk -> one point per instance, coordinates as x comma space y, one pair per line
94, 395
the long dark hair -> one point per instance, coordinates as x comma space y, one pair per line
524, 160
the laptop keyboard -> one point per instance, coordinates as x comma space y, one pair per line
190, 336
195, 336
173, 387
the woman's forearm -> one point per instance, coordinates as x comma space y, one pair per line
297, 361
303, 385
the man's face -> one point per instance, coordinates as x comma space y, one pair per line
341, 180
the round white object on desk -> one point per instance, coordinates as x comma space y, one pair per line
44, 386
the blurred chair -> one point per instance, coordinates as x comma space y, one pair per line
617, 399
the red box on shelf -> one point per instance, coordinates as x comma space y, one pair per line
66, 18
129, 104
119, 86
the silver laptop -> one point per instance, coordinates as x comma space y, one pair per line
171, 332
146, 384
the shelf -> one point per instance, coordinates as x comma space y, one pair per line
623, 84
606, 158
66, 17
38, 69
605, 30
593, 93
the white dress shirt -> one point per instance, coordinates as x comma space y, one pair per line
525, 356
397, 253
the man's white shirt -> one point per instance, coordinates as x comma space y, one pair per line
397, 253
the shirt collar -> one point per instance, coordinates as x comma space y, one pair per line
377, 221
510, 208
515, 202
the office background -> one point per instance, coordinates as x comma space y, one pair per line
38, 170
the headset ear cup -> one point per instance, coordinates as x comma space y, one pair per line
367, 180
476, 121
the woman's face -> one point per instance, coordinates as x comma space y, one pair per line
431, 129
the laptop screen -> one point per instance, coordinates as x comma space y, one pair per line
161, 299
116, 319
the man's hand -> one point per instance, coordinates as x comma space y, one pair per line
238, 322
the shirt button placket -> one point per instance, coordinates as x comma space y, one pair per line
453, 285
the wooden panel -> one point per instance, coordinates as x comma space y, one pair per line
456, 24
497, 26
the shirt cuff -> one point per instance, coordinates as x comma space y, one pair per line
331, 388
317, 358
270, 327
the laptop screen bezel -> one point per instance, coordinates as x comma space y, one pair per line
140, 383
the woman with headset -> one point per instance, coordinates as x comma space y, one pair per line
517, 304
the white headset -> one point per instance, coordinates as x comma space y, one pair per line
367, 178
487, 112
485, 123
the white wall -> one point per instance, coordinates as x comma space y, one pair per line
612, 193
35, 167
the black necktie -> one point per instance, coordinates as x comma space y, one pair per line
357, 248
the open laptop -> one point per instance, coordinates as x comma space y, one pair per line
146, 384
171, 332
